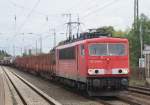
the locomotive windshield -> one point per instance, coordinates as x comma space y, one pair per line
108, 49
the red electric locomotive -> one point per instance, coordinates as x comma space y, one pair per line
99, 65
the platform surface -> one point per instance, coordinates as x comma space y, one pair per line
148, 80
5, 95
2, 90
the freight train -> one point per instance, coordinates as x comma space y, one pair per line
7, 61
95, 64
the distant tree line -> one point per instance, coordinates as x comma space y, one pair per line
133, 36
3, 54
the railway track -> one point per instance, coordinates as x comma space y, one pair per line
141, 90
137, 95
90, 100
112, 101
26, 93
134, 96
54, 91
124, 99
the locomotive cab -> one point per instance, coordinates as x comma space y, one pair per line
108, 64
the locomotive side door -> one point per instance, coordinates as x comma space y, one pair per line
77, 62
81, 69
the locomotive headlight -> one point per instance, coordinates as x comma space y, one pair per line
120, 71
90, 71
125, 71
95, 71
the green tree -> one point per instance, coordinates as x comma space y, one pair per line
106, 29
134, 38
3, 54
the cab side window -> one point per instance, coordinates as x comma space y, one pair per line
82, 50
67, 53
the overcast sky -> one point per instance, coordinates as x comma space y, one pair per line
31, 17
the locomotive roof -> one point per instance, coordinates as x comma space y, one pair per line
94, 40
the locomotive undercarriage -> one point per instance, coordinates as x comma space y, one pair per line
107, 83
106, 86
98, 86
93, 86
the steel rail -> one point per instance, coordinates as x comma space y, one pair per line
16, 89
141, 90
50, 100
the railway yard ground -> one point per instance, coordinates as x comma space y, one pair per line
138, 82
21, 88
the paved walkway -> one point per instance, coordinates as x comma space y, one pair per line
2, 91
5, 95
148, 80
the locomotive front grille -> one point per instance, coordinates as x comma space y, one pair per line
108, 83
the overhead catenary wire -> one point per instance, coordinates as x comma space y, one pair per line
25, 8
25, 21
89, 13
90, 7
99, 9
78, 5
22, 25
28, 16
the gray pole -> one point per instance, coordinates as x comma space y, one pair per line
15, 18
70, 27
14, 50
141, 39
40, 44
54, 38
136, 16
21, 51
78, 26
36, 47
23, 45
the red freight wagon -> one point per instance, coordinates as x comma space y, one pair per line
95, 64
43, 63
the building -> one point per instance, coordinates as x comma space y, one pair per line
146, 53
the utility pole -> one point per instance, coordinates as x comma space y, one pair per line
136, 16
138, 31
40, 44
15, 19
14, 52
54, 38
78, 26
138, 27
141, 38
23, 49
36, 47
54, 31
70, 24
